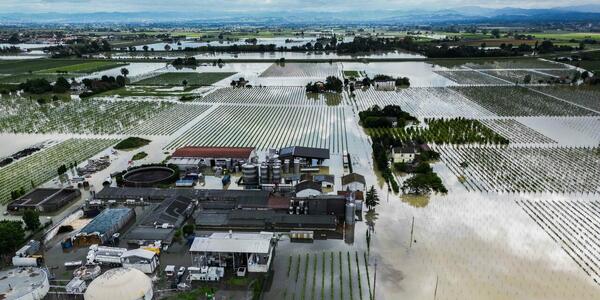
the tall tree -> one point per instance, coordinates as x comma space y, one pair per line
124, 72
11, 237
372, 199
31, 218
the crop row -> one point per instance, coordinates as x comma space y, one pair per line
21, 115
272, 95
421, 102
588, 96
170, 120
524, 169
520, 101
470, 77
516, 132
572, 225
320, 70
268, 126
42, 166
326, 275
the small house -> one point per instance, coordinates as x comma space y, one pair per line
353, 182
405, 153
141, 259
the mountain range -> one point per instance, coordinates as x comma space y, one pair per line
462, 15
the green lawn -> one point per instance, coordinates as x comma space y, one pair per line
351, 73
176, 78
86, 67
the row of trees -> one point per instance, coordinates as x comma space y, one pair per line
79, 47
331, 84
105, 83
375, 117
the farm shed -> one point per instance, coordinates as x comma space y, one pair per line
353, 182
308, 188
45, 199
140, 259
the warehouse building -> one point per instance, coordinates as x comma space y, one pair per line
102, 228
251, 250
44, 200
224, 157
305, 156
162, 222
140, 259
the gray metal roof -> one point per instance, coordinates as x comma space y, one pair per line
234, 243
306, 152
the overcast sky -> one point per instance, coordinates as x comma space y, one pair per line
76, 6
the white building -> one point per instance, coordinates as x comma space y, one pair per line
404, 154
141, 259
224, 157
251, 250
122, 284
24, 284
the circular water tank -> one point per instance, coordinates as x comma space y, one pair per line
122, 284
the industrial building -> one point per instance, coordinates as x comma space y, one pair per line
247, 209
24, 283
162, 222
44, 200
250, 250
140, 259
305, 156
224, 157
122, 284
101, 229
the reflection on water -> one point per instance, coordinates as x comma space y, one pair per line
415, 200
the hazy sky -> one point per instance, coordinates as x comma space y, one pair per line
74, 6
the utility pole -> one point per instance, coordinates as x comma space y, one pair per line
437, 277
375, 280
412, 227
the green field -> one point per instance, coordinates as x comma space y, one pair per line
86, 67
176, 78
34, 65
23, 77
351, 73
567, 35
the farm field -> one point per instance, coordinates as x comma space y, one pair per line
516, 132
193, 79
520, 101
169, 120
571, 225
421, 102
525, 169
577, 131
21, 115
34, 65
15, 79
469, 77
272, 95
514, 76
85, 67
443, 131
585, 96
268, 126
320, 70
324, 275
522, 63
42, 166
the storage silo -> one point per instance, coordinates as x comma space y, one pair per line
296, 166
276, 173
286, 166
250, 174
264, 173
350, 210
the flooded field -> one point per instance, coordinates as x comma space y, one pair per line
518, 221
